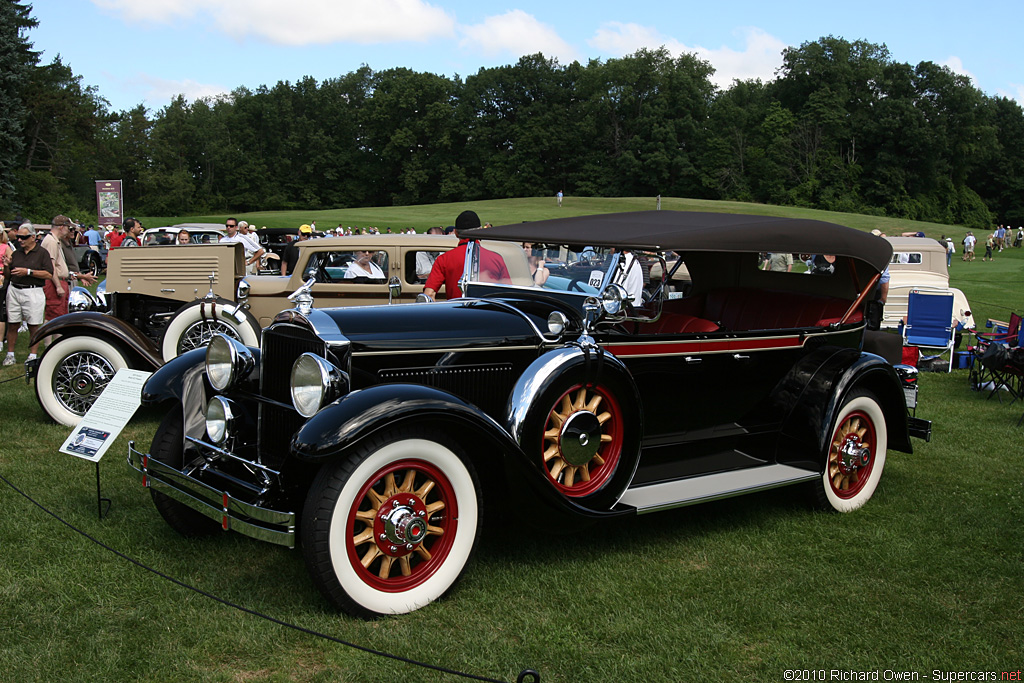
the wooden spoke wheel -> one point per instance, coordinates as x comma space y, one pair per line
855, 455
583, 439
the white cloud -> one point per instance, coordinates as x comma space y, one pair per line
161, 90
956, 65
299, 22
518, 33
759, 58
1015, 92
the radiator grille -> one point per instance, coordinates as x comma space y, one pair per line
282, 344
486, 386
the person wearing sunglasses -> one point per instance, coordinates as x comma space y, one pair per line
28, 270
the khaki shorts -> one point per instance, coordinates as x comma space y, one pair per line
25, 305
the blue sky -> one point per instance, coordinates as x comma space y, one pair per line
146, 51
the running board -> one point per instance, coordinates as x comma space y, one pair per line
654, 497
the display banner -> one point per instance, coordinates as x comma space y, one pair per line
109, 202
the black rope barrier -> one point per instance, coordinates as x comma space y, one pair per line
525, 676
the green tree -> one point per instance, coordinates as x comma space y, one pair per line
16, 62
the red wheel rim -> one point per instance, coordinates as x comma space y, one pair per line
847, 473
401, 491
573, 478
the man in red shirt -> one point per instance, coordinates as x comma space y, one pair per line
449, 266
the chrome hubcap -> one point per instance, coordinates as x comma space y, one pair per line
80, 378
198, 335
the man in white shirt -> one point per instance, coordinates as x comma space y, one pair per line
632, 277
253, 251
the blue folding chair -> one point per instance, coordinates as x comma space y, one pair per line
930, 322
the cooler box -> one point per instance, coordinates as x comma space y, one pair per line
911, 354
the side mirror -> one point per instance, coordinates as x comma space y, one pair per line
394, 289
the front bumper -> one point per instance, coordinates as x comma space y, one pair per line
264, 524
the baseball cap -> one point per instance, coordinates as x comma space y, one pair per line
305, 229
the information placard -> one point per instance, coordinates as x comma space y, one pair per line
107, 416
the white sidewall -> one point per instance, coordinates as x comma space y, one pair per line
54, 356
869, 407
191, 315
465, 493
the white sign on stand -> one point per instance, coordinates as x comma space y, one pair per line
108, 415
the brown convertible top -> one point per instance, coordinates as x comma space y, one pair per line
699, 231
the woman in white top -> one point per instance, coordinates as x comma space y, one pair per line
363, 266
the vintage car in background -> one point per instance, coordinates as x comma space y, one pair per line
373, 436
920, 263
198, 233
158, 302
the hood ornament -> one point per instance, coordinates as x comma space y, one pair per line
303, 297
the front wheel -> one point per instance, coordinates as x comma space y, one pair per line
391, 528
73, 373
168, 448
855, 455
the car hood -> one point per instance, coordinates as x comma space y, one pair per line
456, 324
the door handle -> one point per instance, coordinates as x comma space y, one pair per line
691, 360
740, 356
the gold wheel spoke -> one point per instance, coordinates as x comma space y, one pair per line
566, 407
597, 459
584, 473
365, 537
604, 417
570, 475
552, 434
409, 481
390, 488
372, 554
551, 452
557, 468
434, 507
435, 530
404, 566
385, 567
581, 400
376, 499
427, 487
606, 438
366, 515
594, 403
423, 552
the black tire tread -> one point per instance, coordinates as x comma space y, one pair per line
167, 448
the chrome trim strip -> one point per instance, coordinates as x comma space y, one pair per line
702, 489
232, 514
422, 351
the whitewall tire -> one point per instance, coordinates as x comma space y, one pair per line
855, 454
72, 373
194, 325
391, 528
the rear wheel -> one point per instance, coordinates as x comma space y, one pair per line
855, 455
390, 529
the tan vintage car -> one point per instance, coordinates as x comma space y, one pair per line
162, 301
919, 263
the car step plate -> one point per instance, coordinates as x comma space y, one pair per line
654, 497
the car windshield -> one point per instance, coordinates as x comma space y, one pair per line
580, 269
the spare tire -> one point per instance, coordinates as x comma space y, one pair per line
195, 323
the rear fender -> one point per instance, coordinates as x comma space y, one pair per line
123, 334
807, 428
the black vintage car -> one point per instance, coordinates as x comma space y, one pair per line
373, 435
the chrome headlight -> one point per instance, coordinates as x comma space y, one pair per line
227, 361
220, 419
315, 383
80, 300
557, 322
613, 297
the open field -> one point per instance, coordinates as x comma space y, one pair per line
928, 576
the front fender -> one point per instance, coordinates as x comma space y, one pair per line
363, 413
168, 383
103, 325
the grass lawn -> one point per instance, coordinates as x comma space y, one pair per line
928, 576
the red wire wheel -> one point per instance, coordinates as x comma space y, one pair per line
582, 440
851, 455
401, 525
